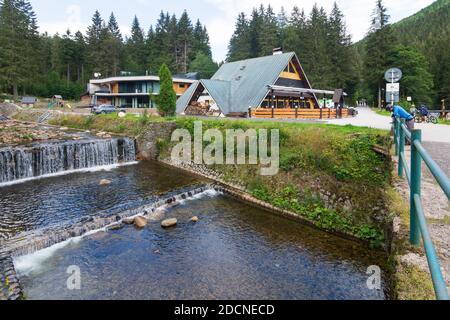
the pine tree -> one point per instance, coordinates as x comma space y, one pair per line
342, 73
166, 100
239, 47
114, 44
269, 33
200, 40
94, 43
380, 42
18, 43
185, 40
136, 48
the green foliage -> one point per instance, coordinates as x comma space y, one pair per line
311, 208
417, 81
45, 65
204, 65
167, 98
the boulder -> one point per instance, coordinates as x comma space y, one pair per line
194, 219
169, 223
128, 220
105, 182
140, 222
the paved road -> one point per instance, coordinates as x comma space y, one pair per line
369, 118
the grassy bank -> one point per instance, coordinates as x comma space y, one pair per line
329, 175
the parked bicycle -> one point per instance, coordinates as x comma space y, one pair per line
430, 118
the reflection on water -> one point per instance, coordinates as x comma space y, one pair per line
234, 252
42, 203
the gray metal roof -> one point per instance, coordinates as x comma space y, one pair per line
184, 100
239, 85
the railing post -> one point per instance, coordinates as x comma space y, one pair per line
416, 177
401, 149
396, 135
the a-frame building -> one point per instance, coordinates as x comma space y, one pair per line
276, 81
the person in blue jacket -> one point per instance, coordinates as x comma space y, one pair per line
401, 113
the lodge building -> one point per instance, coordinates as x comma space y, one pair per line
133, 91
274, 86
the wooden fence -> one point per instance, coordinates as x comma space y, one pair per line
298, 113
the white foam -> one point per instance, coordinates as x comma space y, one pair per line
63, 173
34, 262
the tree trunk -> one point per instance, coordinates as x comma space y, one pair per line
15, 92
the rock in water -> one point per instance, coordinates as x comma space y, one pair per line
169, 223
140, 222
105, 182
128, 220
195, 219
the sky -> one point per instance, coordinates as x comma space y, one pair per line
219, 16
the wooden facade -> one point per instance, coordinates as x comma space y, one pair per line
297, 113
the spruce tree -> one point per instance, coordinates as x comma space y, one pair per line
239, 47
268, 37
185, 41
166, 100
380, 42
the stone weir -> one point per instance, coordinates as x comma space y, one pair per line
43, 159
30, 242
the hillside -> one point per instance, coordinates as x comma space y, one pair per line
429, 32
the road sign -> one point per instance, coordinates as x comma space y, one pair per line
393, 87
392, 95
393, 75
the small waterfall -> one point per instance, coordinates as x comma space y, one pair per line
20, 163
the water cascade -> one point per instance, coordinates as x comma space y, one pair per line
19, 163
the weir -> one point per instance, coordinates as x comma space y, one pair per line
20, 163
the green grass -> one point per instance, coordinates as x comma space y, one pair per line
382, 112
315, 159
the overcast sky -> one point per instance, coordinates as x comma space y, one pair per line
219, 16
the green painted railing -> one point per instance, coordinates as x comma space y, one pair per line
414, 176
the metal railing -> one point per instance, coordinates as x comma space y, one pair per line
418, 223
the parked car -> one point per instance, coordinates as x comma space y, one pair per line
106, 109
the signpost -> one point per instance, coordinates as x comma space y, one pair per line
393, 76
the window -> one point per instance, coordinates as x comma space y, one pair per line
182, 85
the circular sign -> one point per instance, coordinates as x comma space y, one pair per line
393, 75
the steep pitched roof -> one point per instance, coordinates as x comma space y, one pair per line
236, 86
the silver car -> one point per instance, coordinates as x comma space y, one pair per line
105, 109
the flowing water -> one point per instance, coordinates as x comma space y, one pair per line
26, 162
234, 252
65, 199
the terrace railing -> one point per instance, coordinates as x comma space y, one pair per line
418, 223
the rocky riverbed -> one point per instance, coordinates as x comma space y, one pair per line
14, 133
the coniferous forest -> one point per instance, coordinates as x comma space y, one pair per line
43, 64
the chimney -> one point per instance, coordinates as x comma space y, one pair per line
277, 51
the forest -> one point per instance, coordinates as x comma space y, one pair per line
42, 64
418, 45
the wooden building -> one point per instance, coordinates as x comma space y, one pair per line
273, 86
